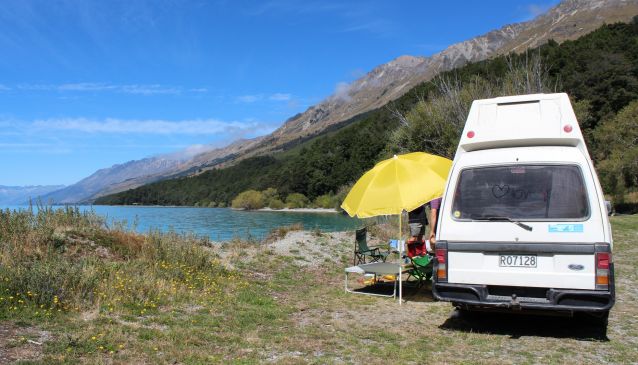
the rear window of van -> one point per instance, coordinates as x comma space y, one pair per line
529, 192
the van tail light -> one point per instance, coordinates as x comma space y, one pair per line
603, 261
441, 258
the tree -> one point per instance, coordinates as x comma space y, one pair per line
618, 149
434, 124
325, 201
249, 199
270, 193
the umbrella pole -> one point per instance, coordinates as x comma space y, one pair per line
400, 260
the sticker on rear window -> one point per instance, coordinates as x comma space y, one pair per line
565, 228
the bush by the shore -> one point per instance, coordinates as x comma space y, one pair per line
270, 198
249, 199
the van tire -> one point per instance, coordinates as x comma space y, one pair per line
598, 320
463, 313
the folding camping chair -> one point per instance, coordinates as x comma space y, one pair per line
362, 251
421, 269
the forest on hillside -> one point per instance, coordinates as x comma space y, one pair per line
599, 71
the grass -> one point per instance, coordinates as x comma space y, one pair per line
73, 291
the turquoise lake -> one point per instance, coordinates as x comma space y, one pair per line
219, 224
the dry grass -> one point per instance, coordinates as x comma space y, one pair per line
281, 232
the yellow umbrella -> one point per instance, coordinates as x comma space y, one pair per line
403, 182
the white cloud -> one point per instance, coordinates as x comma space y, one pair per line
380, 27
189, 152
351, 16
534, 10
135, 89
35, 87
297, 7
23, 145
148, 126
249, 98
342, 91
149, 89
48, 148
253, 98
4, 88
280, 97
85, 86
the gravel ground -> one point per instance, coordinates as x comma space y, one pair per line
311, 249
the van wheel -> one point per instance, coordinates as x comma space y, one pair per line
463, 313
599, 320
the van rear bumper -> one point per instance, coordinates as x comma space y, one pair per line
555, 300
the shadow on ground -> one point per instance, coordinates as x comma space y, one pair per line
519, 325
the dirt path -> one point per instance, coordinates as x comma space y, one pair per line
21, 343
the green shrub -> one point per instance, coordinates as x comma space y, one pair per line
296, 200
325, 201
249, 199
276, 204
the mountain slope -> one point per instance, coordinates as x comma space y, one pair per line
21, 194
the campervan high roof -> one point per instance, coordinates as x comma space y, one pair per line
522, 120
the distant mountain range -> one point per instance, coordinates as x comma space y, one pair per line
15, 195
568, 20
135, 173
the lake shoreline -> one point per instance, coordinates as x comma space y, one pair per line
217, 224
299, 210
283, 210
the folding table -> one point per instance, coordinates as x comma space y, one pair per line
380, 268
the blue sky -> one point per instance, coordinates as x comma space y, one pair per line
88, 84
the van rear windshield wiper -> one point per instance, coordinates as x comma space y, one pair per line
492, 218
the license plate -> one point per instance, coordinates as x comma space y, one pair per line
517, 261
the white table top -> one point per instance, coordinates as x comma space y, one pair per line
383, 268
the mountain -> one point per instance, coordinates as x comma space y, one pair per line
570, 19
135, 173
15, 195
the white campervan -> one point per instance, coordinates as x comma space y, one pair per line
523, 223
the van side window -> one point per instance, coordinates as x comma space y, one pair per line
534, 192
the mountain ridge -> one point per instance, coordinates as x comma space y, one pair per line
134, 173
19, 195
